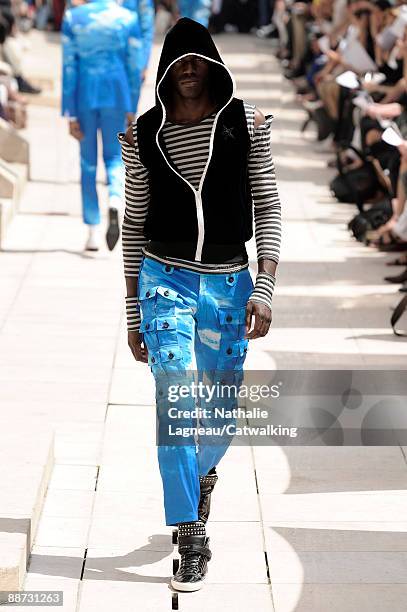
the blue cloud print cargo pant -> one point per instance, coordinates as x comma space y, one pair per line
193, 325
109, 121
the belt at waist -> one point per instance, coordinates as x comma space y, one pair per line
211, 253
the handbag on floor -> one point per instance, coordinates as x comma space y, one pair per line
371, 219
355, 185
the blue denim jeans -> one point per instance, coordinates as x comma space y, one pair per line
193, 325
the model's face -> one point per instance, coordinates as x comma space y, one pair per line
189, 76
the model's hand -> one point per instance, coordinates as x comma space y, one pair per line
137, 346
262, 320
75, 130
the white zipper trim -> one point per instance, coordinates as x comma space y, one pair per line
197, 193
201, 225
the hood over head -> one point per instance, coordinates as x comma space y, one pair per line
189, 37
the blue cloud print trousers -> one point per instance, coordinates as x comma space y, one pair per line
193, 325
109, 121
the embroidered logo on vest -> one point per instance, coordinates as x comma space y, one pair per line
227, 132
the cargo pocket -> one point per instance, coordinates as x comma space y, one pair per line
232, 322
232, 354
166, 359
157, 301
158, 331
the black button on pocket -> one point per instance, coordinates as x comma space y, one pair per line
170, 355
147, 325
229, 351
168, 268
229, 318
231, 279
166, 292
165, 325
148, 294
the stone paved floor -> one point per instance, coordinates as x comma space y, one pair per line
293, 528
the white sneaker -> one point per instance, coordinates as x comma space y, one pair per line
93, 241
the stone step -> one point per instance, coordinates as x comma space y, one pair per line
19, 172
13, 178
13, 560
7, 212
13, 146
26, 462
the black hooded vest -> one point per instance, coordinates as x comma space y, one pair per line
226, 197
174, 208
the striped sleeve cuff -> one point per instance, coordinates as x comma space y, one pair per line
133, 313
263, 288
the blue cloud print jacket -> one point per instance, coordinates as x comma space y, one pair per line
102, 58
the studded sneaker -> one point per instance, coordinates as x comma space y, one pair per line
207, 484
193, 547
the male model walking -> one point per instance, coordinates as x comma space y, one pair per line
196, 163
102, 65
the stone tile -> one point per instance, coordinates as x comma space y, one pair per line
223, 536
132, 415
63, 532
322, 340
138, 566
53, 413
155, 596
141, 506
353, 506
336, 536
55, 562
34, 356
78, 442
339, 597
30, 299
66, 503
129, 430
23, 326
13, 556
122, 537
36, 440
76, 477
69, 452
116, 475
313, 458
59, 374
329, 481
231, 504
68, 586
226, 547
337, 567
132, 386
44, 391
60, 348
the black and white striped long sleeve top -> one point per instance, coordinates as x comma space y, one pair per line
188, 147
